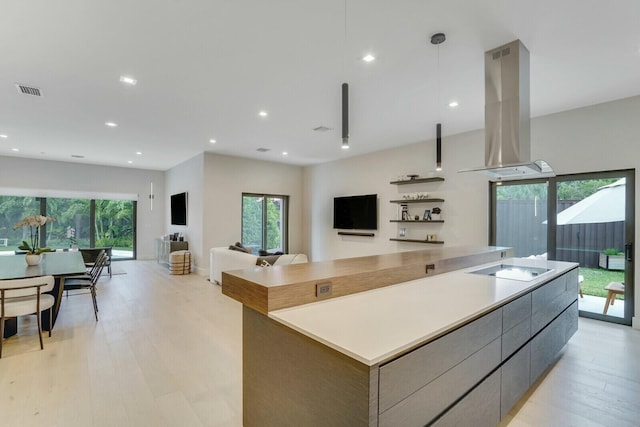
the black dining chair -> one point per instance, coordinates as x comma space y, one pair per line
90, 282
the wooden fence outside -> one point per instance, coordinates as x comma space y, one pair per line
522, 227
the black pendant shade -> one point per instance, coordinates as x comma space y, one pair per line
439, 146
345, 115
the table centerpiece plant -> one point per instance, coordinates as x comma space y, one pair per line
34, 222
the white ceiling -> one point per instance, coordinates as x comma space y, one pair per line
205, 68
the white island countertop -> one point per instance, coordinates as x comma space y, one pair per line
375, 326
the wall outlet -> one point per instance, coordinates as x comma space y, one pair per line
323, 289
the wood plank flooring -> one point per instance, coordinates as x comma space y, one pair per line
167, 352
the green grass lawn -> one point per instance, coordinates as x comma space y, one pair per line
595, 279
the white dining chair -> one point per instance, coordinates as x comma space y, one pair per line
19, 297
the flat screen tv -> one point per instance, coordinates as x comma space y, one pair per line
179, 209
356, 212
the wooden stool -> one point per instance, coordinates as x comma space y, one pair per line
613, 288
580, 280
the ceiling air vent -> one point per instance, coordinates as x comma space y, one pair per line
263, 150
28, 90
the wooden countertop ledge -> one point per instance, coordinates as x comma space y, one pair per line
277, 287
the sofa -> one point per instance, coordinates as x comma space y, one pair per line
225, 259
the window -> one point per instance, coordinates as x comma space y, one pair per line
88, 223
521, 217
265, 222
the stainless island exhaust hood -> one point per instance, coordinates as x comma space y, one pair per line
507, 117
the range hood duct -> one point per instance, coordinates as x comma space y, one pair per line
507, 116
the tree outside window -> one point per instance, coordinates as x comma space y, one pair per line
264, 222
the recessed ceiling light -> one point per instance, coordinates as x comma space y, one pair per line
139, 153
212, 141
453, 104
130, 161
368, 58
15, 149
284, 153
111, 124
128, 80
3, 136
263, 114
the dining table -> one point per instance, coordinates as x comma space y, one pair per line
56, 264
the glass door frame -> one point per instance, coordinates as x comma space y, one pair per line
629, 175
629, 235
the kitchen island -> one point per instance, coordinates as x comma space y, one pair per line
456, 348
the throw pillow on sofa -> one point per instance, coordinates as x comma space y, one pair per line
238, 247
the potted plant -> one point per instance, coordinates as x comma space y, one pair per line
34, 251
611, 259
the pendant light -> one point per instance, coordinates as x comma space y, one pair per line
345, 116
437, 39
345, 89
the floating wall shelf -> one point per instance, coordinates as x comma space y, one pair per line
420, 220
418, 180
432, 242
418, 201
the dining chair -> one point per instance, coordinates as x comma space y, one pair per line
19, 297
88, 283
91, 268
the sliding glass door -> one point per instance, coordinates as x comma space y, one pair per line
594, 227
583, 218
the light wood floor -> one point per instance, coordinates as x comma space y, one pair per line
167, 352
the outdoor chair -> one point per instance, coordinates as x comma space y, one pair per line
19, 297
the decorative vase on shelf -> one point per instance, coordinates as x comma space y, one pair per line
33, 259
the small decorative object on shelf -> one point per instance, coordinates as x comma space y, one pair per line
431, 238
417, 217
402, 232
436, 214
404, 212
413, 176
427, 215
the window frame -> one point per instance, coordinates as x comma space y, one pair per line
284, 213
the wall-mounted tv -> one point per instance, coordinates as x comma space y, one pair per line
356, 212
179, 209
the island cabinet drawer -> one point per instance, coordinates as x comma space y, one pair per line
516, 325
409, 373
546, 345
551, 299
516, 311
515, 379
516, 337
433, 399
480, 408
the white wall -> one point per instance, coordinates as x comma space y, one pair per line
596, 138
215, 184
30, 174
188, 177
372, 173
